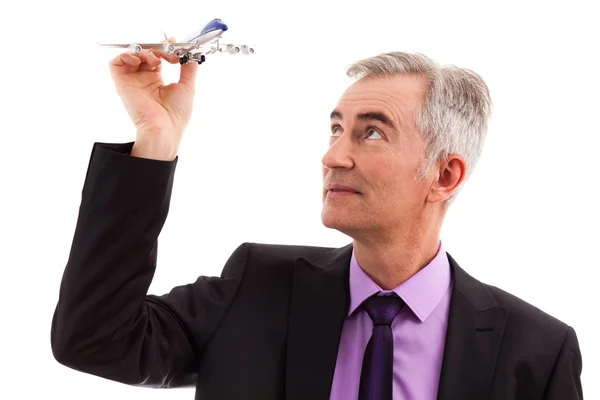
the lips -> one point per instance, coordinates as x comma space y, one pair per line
341, 188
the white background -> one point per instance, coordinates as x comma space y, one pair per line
250, 160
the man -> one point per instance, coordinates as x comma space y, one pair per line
391, 315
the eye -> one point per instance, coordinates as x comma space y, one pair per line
335, 128
373, 130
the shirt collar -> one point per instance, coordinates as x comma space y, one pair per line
422, 292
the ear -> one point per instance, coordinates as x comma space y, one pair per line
449, 174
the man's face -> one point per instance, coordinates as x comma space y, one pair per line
375, 148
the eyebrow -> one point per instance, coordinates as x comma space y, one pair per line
368, 116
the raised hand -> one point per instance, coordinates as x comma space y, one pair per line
159, 112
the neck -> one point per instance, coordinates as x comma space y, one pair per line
392, 259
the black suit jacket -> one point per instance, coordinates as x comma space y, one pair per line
269, 327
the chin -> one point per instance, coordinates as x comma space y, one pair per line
334, 222
329, 221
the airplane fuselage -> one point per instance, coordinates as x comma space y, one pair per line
211, 31
207, 37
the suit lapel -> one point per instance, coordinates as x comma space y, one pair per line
318, 307
475, 329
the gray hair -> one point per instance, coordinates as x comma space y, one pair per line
454, 116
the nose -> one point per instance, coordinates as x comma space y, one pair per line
339, 154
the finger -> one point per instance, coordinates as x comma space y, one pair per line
150, 62
125, 59
124, 62
188, 74
171, 39
172, 57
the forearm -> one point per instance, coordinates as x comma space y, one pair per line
103, 323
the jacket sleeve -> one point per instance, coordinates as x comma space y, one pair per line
565, 381
104, 322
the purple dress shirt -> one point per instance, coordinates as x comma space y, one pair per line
419, 332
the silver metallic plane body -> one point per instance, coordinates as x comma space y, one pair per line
195, 47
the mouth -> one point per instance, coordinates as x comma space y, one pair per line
338, 188
339, 192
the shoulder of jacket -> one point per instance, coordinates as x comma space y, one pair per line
283, 253
526, 316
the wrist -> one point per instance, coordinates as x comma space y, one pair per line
154, 149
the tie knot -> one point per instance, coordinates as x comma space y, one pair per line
383, 309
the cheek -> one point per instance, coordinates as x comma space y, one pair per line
391, 180
394, 184
391, 171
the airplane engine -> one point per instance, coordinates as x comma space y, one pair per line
247, 50
233, 49
168, 48
135, 48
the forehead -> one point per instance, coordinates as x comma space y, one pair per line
398, 97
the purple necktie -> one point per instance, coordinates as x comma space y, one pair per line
378, 363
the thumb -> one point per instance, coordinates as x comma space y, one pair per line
188, 74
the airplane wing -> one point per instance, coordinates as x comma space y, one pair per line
167, 47
187, 51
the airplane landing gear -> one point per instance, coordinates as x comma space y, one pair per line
184, 59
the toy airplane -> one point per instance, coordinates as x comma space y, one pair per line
196, 47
